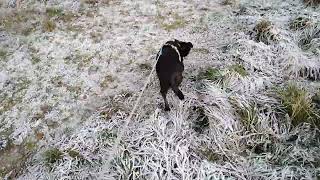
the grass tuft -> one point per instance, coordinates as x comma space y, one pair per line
21, 21
201, 121
212, 74
238, 68
300, 23
126, 166
201, 50
248, 116
30, 146
53, 155
92, 2
75, 154
27, 30
247, 113
209, 155
107, 136
106, 81
299, 105
145, 66
264, 32
3, 54
48, 25
309, 39
53, 12
60, 14
96, 36
176, 22
35, 59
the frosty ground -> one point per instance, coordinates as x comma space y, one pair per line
71, 71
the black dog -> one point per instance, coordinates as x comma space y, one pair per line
170, 67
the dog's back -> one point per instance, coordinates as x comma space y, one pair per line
168, 64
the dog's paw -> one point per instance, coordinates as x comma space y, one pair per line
166, 108
181, 96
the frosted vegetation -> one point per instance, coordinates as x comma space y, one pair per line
70, 72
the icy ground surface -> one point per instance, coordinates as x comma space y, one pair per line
69, 78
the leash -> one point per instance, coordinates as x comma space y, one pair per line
121, 132
173, 47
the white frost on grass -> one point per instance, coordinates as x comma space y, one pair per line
73, 88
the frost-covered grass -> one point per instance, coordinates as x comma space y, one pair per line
71, 71
300, 23
265, 32
312, 2
299, 105
310, 39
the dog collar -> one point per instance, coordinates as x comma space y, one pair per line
173, 47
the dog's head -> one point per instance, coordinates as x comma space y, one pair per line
183, 47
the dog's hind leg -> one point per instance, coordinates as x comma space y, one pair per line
176, 80
164, 91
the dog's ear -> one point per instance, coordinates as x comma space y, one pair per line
190, 45
177, 41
